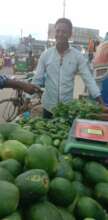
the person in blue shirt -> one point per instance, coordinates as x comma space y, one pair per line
104, 89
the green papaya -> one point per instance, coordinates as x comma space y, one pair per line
90, 208
95, 172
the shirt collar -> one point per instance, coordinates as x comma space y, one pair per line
65, 52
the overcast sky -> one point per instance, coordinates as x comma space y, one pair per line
33, 16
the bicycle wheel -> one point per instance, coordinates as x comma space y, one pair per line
9, 110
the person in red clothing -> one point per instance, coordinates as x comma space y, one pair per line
91, 48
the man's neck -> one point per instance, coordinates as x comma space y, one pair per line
62, 47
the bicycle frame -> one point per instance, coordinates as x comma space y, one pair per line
19, 104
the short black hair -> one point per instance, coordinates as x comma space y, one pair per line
66, 21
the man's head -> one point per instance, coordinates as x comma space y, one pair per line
63, 30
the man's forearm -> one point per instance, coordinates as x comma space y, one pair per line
24, 86
14, 84
6, 82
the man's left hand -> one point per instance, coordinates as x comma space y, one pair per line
105, 109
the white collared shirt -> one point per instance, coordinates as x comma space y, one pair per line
59, 75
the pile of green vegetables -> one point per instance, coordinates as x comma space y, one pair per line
38, 181
84, 108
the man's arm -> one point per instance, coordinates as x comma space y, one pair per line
90, 82
39, 73
88, 78
5, 82
20, 85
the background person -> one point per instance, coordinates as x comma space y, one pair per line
13, 60
31, 61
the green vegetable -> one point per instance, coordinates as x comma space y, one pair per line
13, 149
13, 216
95, 172
12, 165
101, 192
33, 184
46, 210
42, 157
88, 207
9, 198
24, 136
61, 192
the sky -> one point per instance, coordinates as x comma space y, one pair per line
33, 16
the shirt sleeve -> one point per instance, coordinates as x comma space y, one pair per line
39, 73
88, 77
3, 80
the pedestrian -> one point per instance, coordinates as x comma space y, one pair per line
13, 63
58, 66
91, 49
1, 61
30, 61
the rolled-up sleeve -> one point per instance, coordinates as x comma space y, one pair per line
39, 73
88, 77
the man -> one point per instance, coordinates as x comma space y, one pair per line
30, 61
6, 82
58, 66
13, 63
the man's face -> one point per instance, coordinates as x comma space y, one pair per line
62, 33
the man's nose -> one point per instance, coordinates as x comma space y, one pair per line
60, 33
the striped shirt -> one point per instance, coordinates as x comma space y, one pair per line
3, 80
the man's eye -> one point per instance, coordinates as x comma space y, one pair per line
61, 32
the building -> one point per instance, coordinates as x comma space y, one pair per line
31, 44
81, 36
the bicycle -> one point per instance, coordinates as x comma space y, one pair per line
15, 106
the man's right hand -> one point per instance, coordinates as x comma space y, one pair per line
31, 88
24, 86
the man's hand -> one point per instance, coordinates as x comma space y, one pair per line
100, 101
31, 88
105, 109
24, 86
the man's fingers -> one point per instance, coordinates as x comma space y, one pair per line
105, 109
38, 89
33, 89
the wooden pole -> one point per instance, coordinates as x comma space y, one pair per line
64, 7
